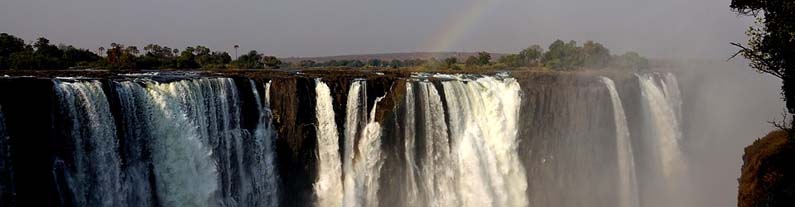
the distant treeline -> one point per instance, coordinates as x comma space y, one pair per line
15, 54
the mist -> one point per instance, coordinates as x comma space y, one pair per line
727, 106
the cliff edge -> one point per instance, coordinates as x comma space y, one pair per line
768, 172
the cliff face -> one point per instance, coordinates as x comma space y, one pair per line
767, 171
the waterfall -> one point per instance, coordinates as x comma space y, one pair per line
261, 154
353, 113
449, 140
661, 106
411, 188
135, 138
201, 156
183, 163
628, 193
664, 124
328, 187
436, 169
95, 175
483, 125
362, 159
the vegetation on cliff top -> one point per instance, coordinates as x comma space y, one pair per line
42, 55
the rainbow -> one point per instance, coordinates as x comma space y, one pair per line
445, 38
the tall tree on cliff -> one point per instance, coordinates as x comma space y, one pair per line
771, 47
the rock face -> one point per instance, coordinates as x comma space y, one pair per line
767, 173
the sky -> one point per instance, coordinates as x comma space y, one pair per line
288, 28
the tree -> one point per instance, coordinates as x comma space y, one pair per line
531, 56
374, 62
77, 57
595, 55
9, 44
512, 60
563, 56
630, 61
450, 62
271, 61
251, 60
187, 59
236, 46
395, 63
484, 58
771, 47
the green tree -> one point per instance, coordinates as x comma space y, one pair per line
306, 63
484, 58
187, 59
630, 61
395, 63
531, 56
250, 60
450, 62
595, 55
512, 60
563, 56
271, 61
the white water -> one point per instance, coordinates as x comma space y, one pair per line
136, 136
661, 103
186, 173
483, 120
437, 171
664, 124
353, 114
97, 179
411, 169
328, 188
628, 192
263, 172
362, 158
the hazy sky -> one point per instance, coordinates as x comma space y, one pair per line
669, 28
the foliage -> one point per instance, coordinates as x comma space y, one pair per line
630, 60
563, 56
15, 54
771, 47
250, 60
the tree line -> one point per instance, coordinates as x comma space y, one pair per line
41, 54
562, 56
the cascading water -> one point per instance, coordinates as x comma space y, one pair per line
94, 177
420, 140
260, 152
363, 157
182, 162
661, 103
437, 171
628, 192
483, 117
664, 124
328, 187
